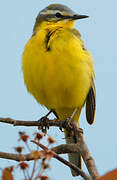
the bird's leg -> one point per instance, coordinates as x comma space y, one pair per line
44, 125
68, 122
71, 117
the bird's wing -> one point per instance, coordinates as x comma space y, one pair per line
91, 104
91, 97
78, 35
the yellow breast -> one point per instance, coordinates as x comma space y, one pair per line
58, 73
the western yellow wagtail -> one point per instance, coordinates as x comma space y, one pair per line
58, 70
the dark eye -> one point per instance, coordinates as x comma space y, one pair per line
58, 15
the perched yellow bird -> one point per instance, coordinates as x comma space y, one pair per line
58, 70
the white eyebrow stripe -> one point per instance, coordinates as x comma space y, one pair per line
49, 12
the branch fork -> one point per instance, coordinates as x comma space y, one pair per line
67, 148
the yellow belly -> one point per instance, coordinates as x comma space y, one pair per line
60, 77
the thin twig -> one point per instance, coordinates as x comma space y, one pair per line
56, 156
28, 147
34, 168
24, 173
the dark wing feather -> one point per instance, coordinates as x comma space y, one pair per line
91, 105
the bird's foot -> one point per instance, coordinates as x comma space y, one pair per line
61, 127
67, 124
43, 124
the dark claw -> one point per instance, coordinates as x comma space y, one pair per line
61, 128
43, 124
67, 124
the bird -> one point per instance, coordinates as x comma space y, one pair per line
58, 70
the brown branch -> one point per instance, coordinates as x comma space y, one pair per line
54, 122
59, 158
61, 149
14, 122
15, 157
89, 161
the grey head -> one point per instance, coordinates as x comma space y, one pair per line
55, 13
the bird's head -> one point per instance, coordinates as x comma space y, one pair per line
56, 15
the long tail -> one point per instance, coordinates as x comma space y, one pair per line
74, 158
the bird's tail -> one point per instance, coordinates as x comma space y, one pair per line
74, 158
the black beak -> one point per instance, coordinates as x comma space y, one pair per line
78, 16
